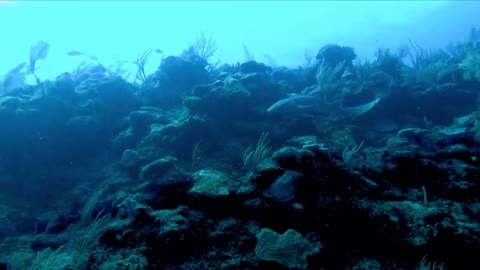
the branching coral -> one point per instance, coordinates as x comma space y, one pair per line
204, 45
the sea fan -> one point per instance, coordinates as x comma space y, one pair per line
37, 52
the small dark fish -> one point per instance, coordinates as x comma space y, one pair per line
74, 53
158, 51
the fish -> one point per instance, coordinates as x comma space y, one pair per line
293, 103
314, 104
74, 53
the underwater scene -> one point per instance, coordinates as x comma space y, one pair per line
181, 159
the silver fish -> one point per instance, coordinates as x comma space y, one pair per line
313, 104
74, 53
293, 103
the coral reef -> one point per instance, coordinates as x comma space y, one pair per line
189, 170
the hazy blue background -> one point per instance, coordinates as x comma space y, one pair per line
119, 30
